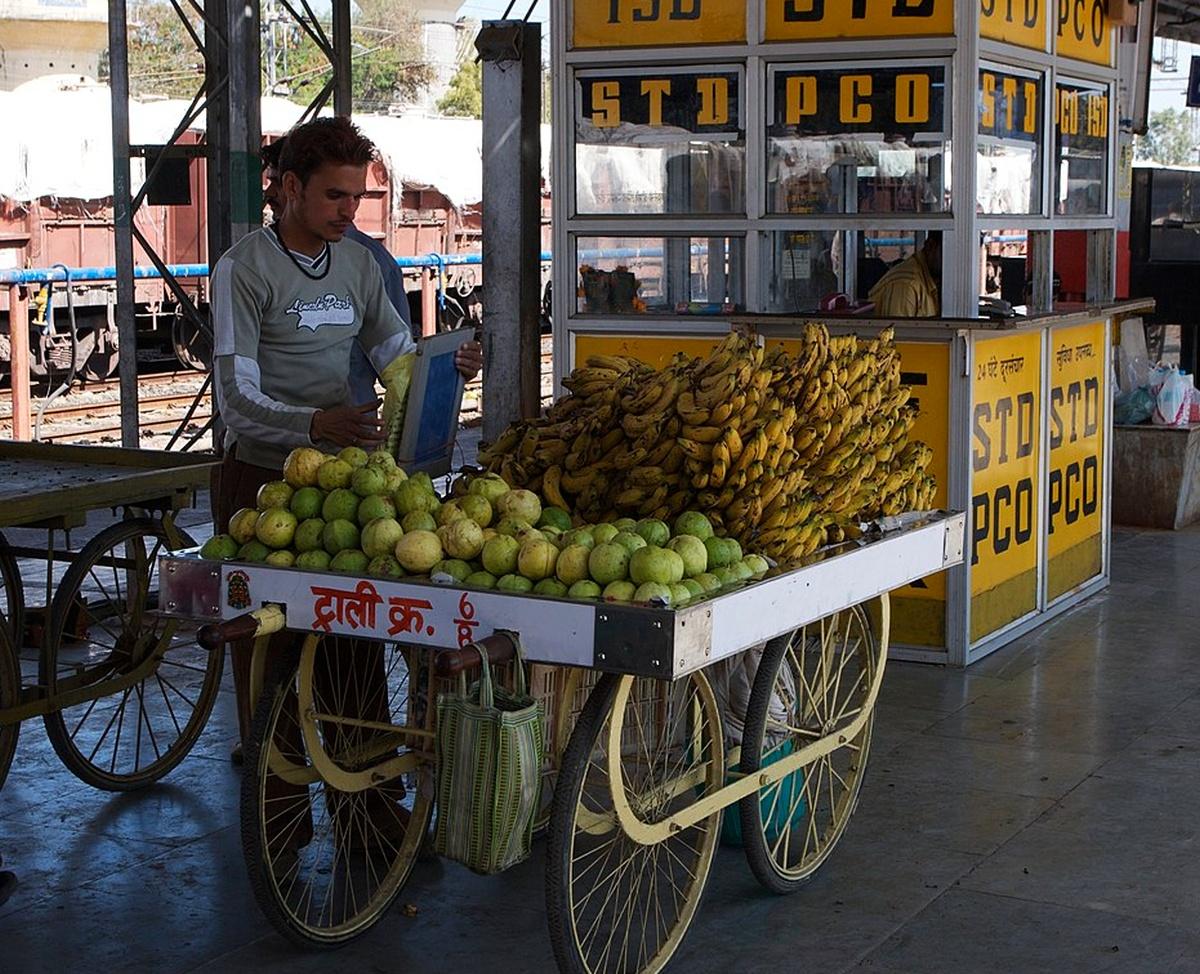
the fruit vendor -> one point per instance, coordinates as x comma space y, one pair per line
911, 288
289, 301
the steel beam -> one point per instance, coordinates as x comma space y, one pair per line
511, 55
118, 66
18, 333
343, 92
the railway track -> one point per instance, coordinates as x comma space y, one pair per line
92, 413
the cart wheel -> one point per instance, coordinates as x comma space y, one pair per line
10, 695
570, 694
615, 904
330, 832
14, 592
811, 684
121, 730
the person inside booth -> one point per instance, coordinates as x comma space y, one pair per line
911, 289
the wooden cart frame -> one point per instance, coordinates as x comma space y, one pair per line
123, 693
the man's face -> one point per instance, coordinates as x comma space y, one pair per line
326, 205
273, 192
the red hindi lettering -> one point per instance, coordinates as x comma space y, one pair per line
405, 615
355, 608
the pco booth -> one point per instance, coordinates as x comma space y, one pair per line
760, 162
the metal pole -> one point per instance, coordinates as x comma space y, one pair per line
511, 55
343, 93
118, 57
18, 331
243, 95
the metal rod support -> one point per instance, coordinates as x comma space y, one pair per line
18, 331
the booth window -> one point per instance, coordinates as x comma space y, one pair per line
831, 270
1009, 147
1081, 145
660, 142
673, 274
1175, 216
857, 139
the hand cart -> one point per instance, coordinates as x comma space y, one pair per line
339, 779
122, 691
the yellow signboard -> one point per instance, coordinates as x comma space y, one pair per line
657, 23
1005, 432
1021, 22
814, 20
919, 610
656, 351
1084, 31
1075, 488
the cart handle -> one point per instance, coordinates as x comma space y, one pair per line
260, 622
500, 648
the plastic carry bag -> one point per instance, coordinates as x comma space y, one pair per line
1133, 407
1172, 403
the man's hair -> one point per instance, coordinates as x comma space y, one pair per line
336, 141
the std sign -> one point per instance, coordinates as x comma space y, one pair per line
656, 23
1006, 425
1075, 486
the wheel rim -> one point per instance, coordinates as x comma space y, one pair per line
10, 692
334, 860
821, 685
631, 904
107, 626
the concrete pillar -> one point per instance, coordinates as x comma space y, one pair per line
511, 54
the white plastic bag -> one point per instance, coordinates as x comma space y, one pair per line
1132, 355
1173, 401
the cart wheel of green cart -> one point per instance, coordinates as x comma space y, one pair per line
338, 787
14, 592
617, 901
10, 694
133, 691
817, 683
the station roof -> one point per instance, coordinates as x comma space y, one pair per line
1178, 19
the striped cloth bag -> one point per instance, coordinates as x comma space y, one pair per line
490, 744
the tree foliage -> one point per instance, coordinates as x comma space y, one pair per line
464, 97
1168, 139
388, 62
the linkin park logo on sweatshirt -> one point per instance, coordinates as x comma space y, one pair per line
327, 310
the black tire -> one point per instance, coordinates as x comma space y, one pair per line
10, 695
121, 627
582, 798
819, 810
379, 868
14, 592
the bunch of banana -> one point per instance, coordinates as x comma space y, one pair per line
785, 448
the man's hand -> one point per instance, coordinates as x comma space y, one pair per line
348, 426
469, 359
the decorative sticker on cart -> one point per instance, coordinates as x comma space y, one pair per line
1010, 106
1003, 523
237, 590
651, 23
896, 100
1075, 485
1084, 31
815, 20
643, 106
1021, 22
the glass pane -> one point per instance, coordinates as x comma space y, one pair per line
660, 275
1174, 216
1081, 149
660, 142
857, 140
1009, 166
832, 270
